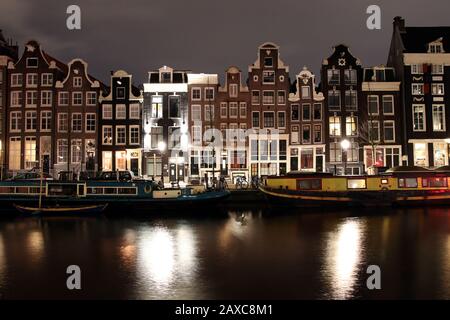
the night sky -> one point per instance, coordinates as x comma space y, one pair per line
209, 35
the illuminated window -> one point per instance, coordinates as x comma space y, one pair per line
356, 184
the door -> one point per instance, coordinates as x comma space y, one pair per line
134, 163
319, 163
180, 168
173, 172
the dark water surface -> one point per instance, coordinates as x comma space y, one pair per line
240, 254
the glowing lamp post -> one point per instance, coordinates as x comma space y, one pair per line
345, 145
162, 147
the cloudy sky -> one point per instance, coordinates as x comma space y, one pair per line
209, 35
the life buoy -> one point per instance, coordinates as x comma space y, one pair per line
148, 188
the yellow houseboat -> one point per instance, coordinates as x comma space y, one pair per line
398, 186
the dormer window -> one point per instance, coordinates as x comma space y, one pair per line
436, 47
166, 77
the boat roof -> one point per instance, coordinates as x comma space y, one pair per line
407, 169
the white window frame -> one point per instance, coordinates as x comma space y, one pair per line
435, 86
15, 80
47, 77
15, 117
91, 95
393, 104
243, 106
30, 84
117, 135
130, 135
206, 95
77, 82
133, 113
121, 111
46, 101
233, 90
393, 130
87, 119
417, 89
31, 93
223, 110
46, 112
80, 96
198, 89
60, 95
103, 135
424, 118
80, 120
107, 109
60, 119
33, 120
444, 125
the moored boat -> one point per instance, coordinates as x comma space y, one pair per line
398, 186
58, 210
121, 196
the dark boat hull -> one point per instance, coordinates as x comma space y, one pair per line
62, 210
208, 201
287, 198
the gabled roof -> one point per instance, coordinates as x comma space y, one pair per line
416, 39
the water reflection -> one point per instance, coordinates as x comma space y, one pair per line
35, 245
342, 256
165, 257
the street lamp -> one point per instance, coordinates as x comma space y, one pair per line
162, 147
345, 145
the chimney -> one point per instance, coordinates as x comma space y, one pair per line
399, 22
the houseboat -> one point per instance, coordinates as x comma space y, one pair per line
120, 196
397, 186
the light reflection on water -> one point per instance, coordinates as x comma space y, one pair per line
342, 258
247, 254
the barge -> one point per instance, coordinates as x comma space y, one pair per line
136, 196
400, 186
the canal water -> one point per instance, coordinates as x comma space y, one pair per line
240, 254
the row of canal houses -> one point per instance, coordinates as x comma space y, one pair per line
182, 125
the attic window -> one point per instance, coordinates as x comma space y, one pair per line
32, 62
435, 47
268, 62
166, 77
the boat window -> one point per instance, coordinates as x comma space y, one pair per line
36, 189
81, 190
127, 190
22, 190
407, 182
95, 190
7, 190
309, 184
434, 182
356, 184
110, 190
62, 189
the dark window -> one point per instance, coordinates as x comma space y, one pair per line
294, 112
309, 184
174, 106
268, 62
435, 182
407, 182
32, 62
120, 93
